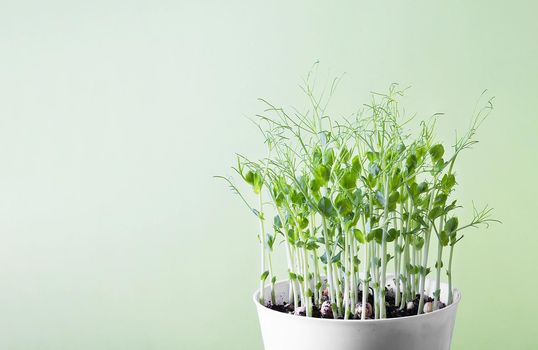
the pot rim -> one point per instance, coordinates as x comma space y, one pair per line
455, 303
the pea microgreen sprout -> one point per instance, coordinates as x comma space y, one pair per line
347, 198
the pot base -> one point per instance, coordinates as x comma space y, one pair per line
431, 331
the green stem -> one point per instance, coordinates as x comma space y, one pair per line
422, 282
438, 264
383, 280
407, 285
449, 273
414, 287
307, 290
291, 263
376, 278
437, 293
338, 289
397, 262
272, 279
299, 269
262, 249
317, 279
315, 262
353, 273
347, 276
330, 286
425, 251
366, 281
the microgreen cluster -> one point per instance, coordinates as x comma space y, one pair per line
351, 201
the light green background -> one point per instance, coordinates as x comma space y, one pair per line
115, 115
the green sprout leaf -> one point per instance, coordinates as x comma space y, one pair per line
435, 212
375, 234
328, 157
411, 163
443, 238
437, 152
393, 200
315, 185
447, 182
380, 198
343, 205
359, 236
422, 187
349, 179
356, 164
325, 207
451, 225
322, 174
264, 275
392, 234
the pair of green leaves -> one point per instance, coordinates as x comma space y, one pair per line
377, 235
264, 275
254, 179
439, 208
448, 235
411, 163
309, 244
451, 227
436, 153
296, 277
447, 182
392, 201
335, 259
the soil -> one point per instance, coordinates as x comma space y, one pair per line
393, 311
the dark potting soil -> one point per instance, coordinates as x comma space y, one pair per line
393, 311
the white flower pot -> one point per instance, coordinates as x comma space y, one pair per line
431, 331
